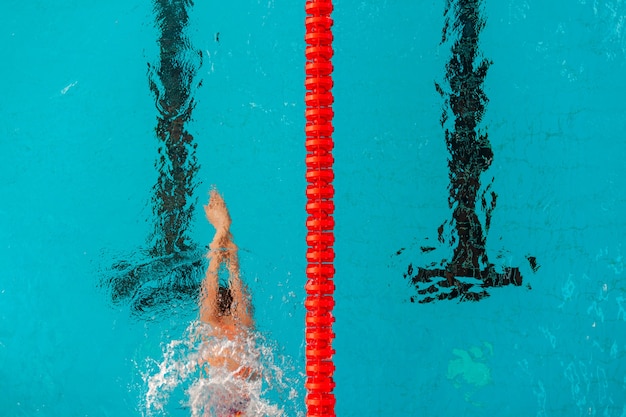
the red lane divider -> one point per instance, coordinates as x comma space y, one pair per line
320, 400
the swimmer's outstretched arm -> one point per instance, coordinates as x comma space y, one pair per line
218, 216
242, 310
208, 293
223, 250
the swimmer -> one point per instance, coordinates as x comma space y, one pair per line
226, 309
221, 362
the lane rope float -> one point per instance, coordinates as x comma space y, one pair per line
320, 271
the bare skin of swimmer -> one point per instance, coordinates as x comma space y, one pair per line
237, 320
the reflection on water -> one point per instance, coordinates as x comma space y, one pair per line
183, 378
170, 268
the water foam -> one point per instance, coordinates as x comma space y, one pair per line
183, 379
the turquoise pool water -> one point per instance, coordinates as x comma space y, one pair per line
77, 169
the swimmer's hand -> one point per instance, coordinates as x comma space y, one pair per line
217, 213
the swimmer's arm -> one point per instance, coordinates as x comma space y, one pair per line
243, 311
208, 294
241, 299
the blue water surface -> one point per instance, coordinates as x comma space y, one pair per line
77, 153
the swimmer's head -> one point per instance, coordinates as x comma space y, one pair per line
224, 301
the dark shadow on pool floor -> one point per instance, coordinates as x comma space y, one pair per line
170, 268
469, 273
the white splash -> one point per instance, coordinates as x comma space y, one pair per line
67, 87
183, 379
